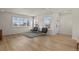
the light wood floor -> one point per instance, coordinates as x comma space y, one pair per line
41, 43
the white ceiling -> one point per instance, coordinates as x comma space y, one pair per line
36, 11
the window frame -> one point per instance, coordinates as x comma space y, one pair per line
49, 18
18, 17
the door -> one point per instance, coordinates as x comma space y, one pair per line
66, 24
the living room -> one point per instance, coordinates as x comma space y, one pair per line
17, 29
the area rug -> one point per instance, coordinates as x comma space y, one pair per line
31, 34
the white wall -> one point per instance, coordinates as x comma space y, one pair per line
75, 31
66, 24
6, 24
55, 23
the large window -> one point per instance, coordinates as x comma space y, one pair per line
21, 21
47, 21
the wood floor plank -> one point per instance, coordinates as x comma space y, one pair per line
41, 43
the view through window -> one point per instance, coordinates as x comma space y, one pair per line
22, 22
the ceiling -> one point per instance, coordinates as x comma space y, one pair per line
36, 11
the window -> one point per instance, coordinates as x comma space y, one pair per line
47, 21
21, 22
